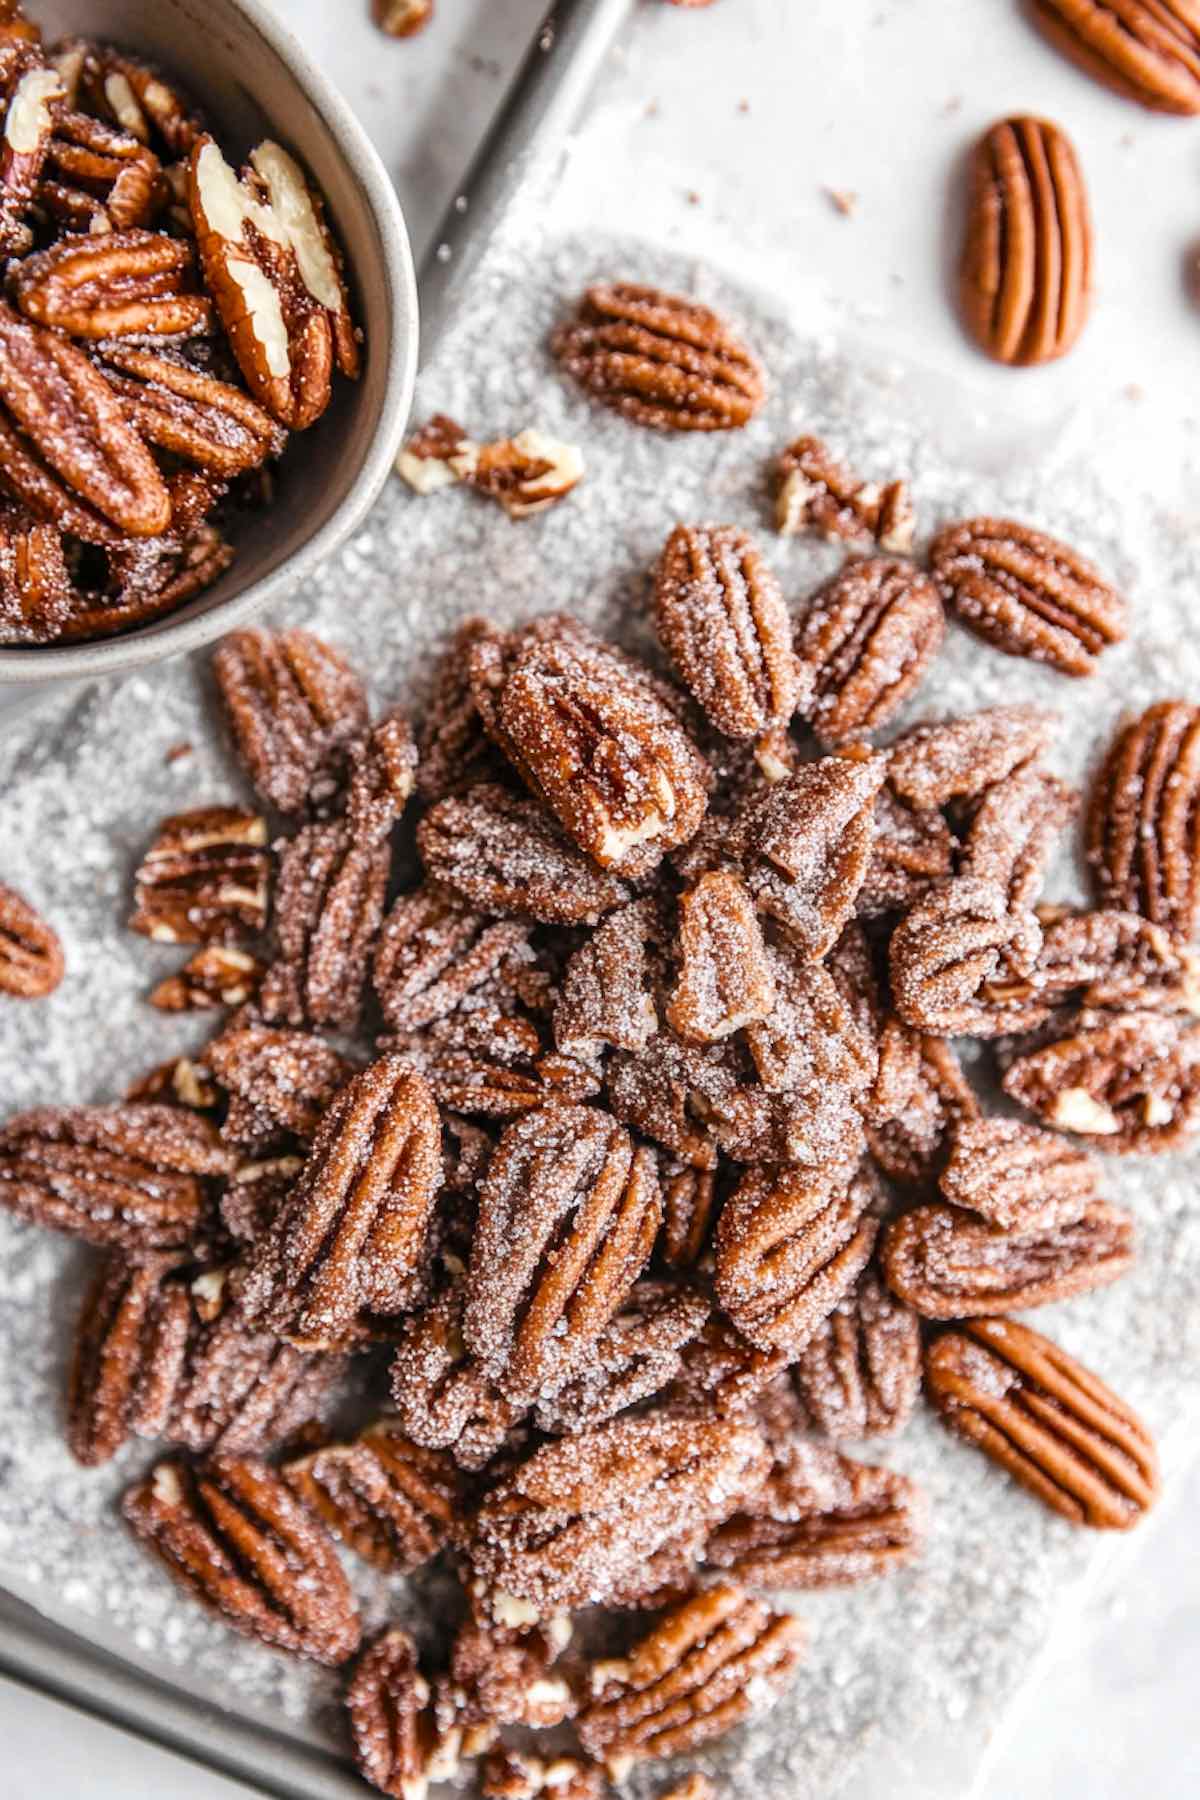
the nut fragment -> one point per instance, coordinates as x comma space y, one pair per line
1143, 818
393, 1728
934, 764
1131, 1079
129, 1346
725, 980
860, 1372
1117, 960
401, 19
527, 474
31, 957
1147, 50
606, 995
204, 879
1048, 1421
868, 637
217, 975
1017, 1177
292, 702
946, 948
912, 849
436, 456
814, 492
389, 1500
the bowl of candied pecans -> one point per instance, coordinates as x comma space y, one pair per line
208, 328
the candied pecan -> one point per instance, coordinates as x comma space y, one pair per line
292, 702
672, 1092
180, 1082
434, 951
689, 1211
505, 854
1132, 1079
232, 1533
710, 1663
135, 1176
1142, 824
868, 636
584, 1518
1012, 832
31, 957
140, 98
204, 879
328, 906
123, 284
945, 949
502, 1676
811, 1044
453, 749
190, 414
129, 1347
951, 1265
808, 843
912, 849
1017, 1177
660, 360
37, 594
1049, 1422
383, 764
607, 991
443, 1398
910, 1145
351, 1235
216, 975
1147, 50
934, 764
636, 1355
814, 492
98, 178
724, 1373
401, 19
254, 1194
393, 1728
789, 1244
820, 1520
1026, 593
1117, 960
510, 1774
284, 1079
721, 618
860, 1372
526, 474
32, 99
725, 979
437, 456
388, 1499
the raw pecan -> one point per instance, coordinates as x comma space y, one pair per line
190, 414
1049, 1422
820, 1520
568, 1215
721, 618
232, 1532
1013, 830
526, 474
1017, 1177
350, 1237
607, 993
329, 899
434, 951
932, 1095
1117, 960
66, 447
1147, 50
98, 178
660, 360
37, 594
389, 1500
135, 1176
1132, 1079
946, 948
689, 1212
950, 1265
31, 956
585, 1518
912, 849
274, 272
292, 702
205, 878
453, 749
124, 284
129, 1348
394, 1731
860, 1372
725, 979
217, 975
789, 1244
1025, 283
284, 1080
637, 1354
934, 764
808, 843
403, 18
505, 854
443, 1398
815, 492
868, 637
516, 1775
33, 98
1142, 823
708, 1665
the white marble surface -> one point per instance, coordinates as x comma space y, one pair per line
718, 132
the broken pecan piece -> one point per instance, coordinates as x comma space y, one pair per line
217, 975
638, 1354
1017, 1177
1117, 960
33, 98
443, 1398
721, 618
31, 956
933, 764
293, 702
689, 1213
1027, 594
1049, 1422
946, 948
401, 19
122, 284
526, 474
725, 980
867, 637
37, 594
1144, 49
607, 993
329, 899
1142, 818
140, 98
1131, 1079
860, 1372
660, 360
390, 1501
510, 1774
204, 879
129, 1348
929, 1093
814, 492
911, 850
232, 1533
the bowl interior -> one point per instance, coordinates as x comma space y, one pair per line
252, 79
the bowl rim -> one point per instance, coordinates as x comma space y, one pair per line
29, 665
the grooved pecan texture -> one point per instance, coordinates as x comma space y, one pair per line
1117, 960
725, 980
205, 878
947, 946
928, 1093
442, 1396
129, 1347
393, 1730
279, 1082
859, 1374
215, 975
434, 950
292, 702
814, 492
1147, 50
1013, 830
388, 1499
31, 957
1143, 824
868, 637
934, 764
329, 899
1015, 1176
1131, 1080
638, 1354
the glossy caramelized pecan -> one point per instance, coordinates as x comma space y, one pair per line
820, 1520
1147, 50
706, 1666
390, 1501
933, 764
950, 1265
292, 702
947, 947
1027, 594
721, 618
1130, 1079
660, 360
930, 1094
282, 1080
725, 980
205, 878
233, 1534
815, 492
860, 1372
133, 93
638, 1354
329, 899
33, 97
1017, 1177
585, 1518
122, 284
31, 957
1049, 1422
1013, 830
192, 415
351, 1235
868, 637
442, 1396
129, 1348
98, 178
434, 951
135, 1176
1143, 823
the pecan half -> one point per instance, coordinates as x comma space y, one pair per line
1132, 1079
812, 1045
929, 1094
708, 1665
392, 1502
815, 492
139, 98
860, 1372
689, 1212
122, 284
660, 360
98, 178
1142, 823
254, 1193
383, 764
912, 849
351, 1235
192, 415
434, 951
31, 956
329, 899
638, 1354
934, 764
33, 99
292, 703
723, 1372
37, 594
283, 1079
1049, 1422
232, 1533
217, 975
1013, 830
136, 1176
868, 637
454, 751
1117, 960
393, 1727
1147, 50
950, 1265
607, 995
725, 980
568, 1215
1017, 1177
721, 618
205, 878
820, 1520
129, 1347
443, 1398
947, 947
